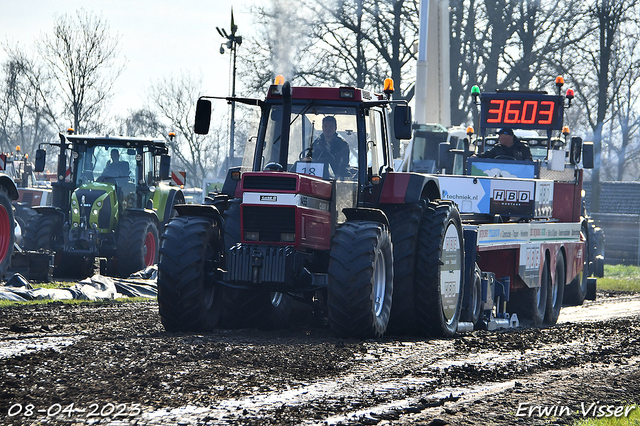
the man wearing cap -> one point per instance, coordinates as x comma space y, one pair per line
508, 146
331, 147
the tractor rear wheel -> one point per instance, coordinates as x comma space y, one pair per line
360, 280
137, 244
7, 234
188, 297
438, 292
555, 292
404, 225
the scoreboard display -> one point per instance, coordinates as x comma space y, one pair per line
518, 110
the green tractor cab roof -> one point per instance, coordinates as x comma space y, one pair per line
160, 146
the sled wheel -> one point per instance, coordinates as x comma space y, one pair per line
360, 280
438, 292
577, 290
531, 303
555, 292
476, 306
188, 297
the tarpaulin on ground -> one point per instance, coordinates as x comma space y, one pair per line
97, 287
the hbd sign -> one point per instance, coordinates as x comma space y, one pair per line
512, 198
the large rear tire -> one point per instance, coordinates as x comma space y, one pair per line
405, 225
555, 292
7, 234
440, 266
360, 280
137, 245
250, 308
39, 232
188, 297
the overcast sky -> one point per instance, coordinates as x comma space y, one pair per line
159, 38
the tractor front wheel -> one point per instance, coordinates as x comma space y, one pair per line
360, 280
188, 297
137, 245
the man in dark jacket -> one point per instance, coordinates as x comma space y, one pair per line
508, 146
331, 148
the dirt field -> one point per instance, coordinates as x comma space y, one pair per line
114, 364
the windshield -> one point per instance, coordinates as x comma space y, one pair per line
323, 141
107, 164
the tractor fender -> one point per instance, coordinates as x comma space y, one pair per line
400, 188
7, 183
164, 198
142, 212
374, 215
206, 210
50, 211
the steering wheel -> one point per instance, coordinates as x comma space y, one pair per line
504, 157
305, 154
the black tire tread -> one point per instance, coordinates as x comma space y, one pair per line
181, 275
350, 281
429, 316
130, 242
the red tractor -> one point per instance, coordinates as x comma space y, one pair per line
317, 214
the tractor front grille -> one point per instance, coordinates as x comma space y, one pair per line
271, 222
90, 196
278, 183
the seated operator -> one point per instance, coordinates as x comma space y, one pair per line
331, 147
508, 146
116, 168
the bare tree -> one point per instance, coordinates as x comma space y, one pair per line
83, 58
171, 108
26, 115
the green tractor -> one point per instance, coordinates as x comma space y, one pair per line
109, 201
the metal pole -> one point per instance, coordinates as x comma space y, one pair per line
233, 109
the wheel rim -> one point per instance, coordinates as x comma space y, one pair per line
149, 249
450, 273
379, 282
5, 233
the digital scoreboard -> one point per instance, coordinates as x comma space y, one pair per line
519, 110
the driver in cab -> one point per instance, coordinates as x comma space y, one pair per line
508, 146
331, 147
116, 168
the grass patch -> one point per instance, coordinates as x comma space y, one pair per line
119, 301
632, 420
620, 278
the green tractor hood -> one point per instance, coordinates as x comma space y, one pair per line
94, 206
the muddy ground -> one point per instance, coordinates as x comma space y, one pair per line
114, 364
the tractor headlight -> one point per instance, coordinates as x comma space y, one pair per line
75, 211
288, 237
252, 236
99, 204
95, 211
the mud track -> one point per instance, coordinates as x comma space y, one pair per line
116, 365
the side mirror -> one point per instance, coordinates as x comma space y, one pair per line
402, 124
445, 156
587, 155
203, 116
41, 156
576, 150
165, 167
